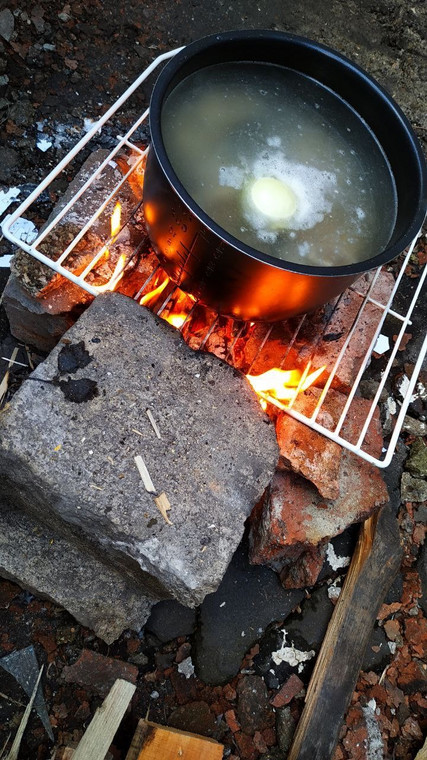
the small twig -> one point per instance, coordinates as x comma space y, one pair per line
5, 382
163, 505
14, 750
13, 701
138, 432
2, 751
30, 361
12, 361
145, 475
153, 423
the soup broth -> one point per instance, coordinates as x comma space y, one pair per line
281, 163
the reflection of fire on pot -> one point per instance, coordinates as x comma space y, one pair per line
288, 176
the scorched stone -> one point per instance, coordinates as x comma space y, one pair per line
73, 464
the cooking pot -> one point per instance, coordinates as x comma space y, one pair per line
210, 263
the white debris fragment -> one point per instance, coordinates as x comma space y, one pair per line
336, 562
154, 695
392, 646
186, 667
291, 655
382, 345
89, 123
5, 261
403, 386
375, 748
23, 229
44, 144
8, 197
391, 406
222, 604
334, 590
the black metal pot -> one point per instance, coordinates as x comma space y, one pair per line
220, 270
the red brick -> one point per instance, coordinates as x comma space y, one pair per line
98, 673
289, 690
259, 742
232, 722
229, 693
392, 629
247, 749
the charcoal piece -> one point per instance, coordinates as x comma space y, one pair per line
73, 357
233, 619
169, 620
80, 390
74, 464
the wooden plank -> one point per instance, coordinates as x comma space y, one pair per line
104, 724
422, 753
163, 743
374, 565
136, 743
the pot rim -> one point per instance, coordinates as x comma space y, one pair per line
210, 42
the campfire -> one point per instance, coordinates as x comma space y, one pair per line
308, 374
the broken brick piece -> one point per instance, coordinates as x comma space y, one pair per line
98, 673
289, 690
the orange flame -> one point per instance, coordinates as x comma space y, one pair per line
116, 219
282, 385
115, 277
154, 293
176, 320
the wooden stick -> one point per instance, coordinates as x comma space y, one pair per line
421, 755
137, 740
14, 750
374, 564
5, 382
153, 423
145, 475
104, 724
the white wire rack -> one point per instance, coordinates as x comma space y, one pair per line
384, 308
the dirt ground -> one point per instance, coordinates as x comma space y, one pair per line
59, 64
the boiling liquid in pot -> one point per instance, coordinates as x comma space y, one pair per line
281, 163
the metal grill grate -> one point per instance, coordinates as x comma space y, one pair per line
374, 309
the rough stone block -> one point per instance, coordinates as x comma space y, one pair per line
45, 563
32, 321
73, 463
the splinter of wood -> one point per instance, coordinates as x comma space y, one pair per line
14, 750
5, 382
145, 475
163, 505
153, 423
374, 564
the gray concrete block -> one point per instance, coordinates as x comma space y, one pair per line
72, 464
45, 563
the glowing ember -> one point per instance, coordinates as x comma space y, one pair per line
176, 320
145, 300
116, 219
281, 385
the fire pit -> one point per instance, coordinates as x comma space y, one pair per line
332, 348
